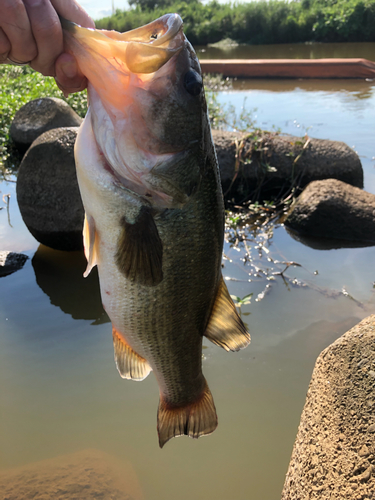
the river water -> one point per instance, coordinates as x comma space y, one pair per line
60, 390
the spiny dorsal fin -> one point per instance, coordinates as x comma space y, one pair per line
129, 364
139, 253
193, 420
89, 243
225, 328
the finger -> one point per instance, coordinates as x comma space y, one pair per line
48, 36
72, 11
69, 78
15, 24
4, 47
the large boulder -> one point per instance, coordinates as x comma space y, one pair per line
334, 452
39, 116
334, 210
47, 191
262, 165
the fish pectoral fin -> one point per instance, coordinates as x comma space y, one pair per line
178, 177
225, 328
89, 242
130, 365
194, 419
139, 253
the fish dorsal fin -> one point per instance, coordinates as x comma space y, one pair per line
139, 253
89, 243
225, 328
129, 364
194, 419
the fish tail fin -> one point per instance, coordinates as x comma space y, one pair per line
194, 419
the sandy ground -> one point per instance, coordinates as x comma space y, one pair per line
334, 453
86, 475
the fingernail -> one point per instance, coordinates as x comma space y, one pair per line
69, 69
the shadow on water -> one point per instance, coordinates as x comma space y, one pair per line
60, 275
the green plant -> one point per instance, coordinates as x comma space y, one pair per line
19, 85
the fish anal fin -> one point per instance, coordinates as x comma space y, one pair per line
90, 241
194, 420
225, 328
139, 253
129, 364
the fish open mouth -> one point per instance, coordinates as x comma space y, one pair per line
142, 51
142, 84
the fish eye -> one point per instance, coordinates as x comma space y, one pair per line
193, 83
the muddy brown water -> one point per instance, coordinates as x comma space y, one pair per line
61, 393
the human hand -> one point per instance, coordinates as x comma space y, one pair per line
31, 33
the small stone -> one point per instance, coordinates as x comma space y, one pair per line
371, 373
366, 475
371, 428
364, 451
11, 262
362, 362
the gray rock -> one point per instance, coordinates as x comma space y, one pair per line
334, 451
11, 262
271, 164
39, 116
47, 191
334, 210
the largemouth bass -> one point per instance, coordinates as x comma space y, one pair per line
154, 225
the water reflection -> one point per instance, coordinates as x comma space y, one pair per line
354, 88
365, 50
60, 275
325, 243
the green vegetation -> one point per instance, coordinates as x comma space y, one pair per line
262, 22
19, 85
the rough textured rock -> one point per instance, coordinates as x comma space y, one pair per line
270, 164
47, 191
334, 453
85, 475
335, 210
39, 116
11, 262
